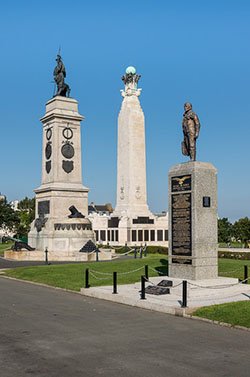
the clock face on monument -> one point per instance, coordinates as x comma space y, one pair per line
67, 150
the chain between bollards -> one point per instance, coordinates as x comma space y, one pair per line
87, 278
114, 282
143, 293
184, 294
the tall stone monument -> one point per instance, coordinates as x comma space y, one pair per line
131, 194
192, 210
132, 222
61, 225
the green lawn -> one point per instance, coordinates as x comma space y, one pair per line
71, 276
5, 246
235, 313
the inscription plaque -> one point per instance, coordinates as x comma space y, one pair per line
43, 207
181, 227
181, 183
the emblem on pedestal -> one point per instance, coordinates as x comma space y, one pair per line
68, 166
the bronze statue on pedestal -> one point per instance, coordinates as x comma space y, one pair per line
63, 89
191, 129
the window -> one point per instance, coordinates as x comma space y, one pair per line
152, 235
146, 235
159, 235
133, 235
103, 235
112, 235
140, 235
97, 235
108, 235
116, 235
166, 235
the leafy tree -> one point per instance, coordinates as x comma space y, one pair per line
26, 214
224, 230
8, 217
241, 230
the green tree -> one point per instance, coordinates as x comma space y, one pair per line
241, 230
26, 214
8, 217
224, 230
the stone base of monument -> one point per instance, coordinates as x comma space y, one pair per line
38, 255
63, 241
193, 221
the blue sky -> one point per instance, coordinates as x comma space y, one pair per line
185, 51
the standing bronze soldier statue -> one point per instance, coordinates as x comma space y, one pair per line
191, 129
59, 74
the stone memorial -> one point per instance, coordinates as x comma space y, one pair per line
61, 225
192, 211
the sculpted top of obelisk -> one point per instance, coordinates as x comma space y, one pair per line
130, 80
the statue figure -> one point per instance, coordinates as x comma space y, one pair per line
63, 89
191, 129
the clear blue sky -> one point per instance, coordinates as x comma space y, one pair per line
193, 51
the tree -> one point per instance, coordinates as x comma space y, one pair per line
224, 230
26, 214
8, 217
241, 230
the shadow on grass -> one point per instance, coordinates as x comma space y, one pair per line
163, 269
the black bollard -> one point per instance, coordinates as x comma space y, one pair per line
146, 271
184, 294
96, 255
143, 295
246, 274
135, 253
87, 278
145, 250
114, 282
46, 256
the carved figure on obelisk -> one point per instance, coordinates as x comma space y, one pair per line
191, 129
130, 80
63, 89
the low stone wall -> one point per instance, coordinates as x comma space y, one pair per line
104, 254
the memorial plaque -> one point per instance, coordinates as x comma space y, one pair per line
43, 207
206, 201
181, 183
181, 226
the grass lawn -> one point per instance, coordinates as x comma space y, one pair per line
235, 313
5, 246
71, 276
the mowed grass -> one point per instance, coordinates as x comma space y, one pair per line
235, 313
5, 246
72, 276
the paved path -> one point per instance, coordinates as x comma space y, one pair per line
52, 333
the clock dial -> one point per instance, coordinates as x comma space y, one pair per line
67, 150
67, 133
48, 133
48, 151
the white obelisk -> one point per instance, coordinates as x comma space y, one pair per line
131, 156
